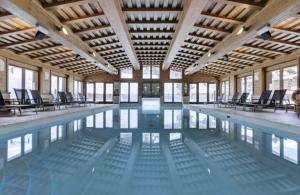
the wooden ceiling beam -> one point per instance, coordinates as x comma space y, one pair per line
92, 29
22, 43
151, 31
250, 3
40, 57
241, 65
233, 68
264, 49
84, 18
197, 44
245, 60
99, 37
189, 16
152, 10
6, 16
40, 49
71, 63
113, 11
214, 29
66, 3
222, 18
17, 31
288, 31
110, 49
251, 55
149, 22
205, 37
280, 42
273, 13
60, 59
32, 12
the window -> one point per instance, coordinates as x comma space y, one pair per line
247, 86
212, 92
126, 138
128, 118
274, 80
89, 121
175, 136
173, 92
57, 84
290, 81
275, 145
109, 89
225, 89
129, 92
99, 92
202, 121
175, 74
225, 126
150, 138
27, 143
20, 78
212, 122
193, 119
151, 72
78, 86
151, 90
193, 92
126, 73
202, 92
90, 91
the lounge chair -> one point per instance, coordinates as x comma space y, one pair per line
233, 100
263, 100
71, 100
83, 99
219, 99
40, 101
242, 99
24, 99
9, 104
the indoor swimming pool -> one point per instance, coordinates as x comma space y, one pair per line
134, 150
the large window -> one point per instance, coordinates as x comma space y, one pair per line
202, 92
78, 88
175, 74
225, 89
172, 119
20, 78
247, 86
129, 92
99, 92
151, 90
290, 80
151, 72
212, 92
128, 118
57, 84
173, 92
90, 91
126, 73
193, 92
274, 80
109, 90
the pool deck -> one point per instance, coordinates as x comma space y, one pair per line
8, 121
279, 119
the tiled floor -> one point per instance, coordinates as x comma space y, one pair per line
27, 116
289, 118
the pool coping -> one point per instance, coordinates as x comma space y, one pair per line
48, 120
286, 128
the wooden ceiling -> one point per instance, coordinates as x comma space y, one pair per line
130, 33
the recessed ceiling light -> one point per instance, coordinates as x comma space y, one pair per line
65, 31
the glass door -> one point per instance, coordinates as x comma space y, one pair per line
90, 91
168, 92
202, 92
212, 92
177, 92
129, 92
124, 96
109, 88
193, 92
14, 80
99, 92
134, 92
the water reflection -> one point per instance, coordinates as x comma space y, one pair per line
118, 152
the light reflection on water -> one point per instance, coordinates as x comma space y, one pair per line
127, 151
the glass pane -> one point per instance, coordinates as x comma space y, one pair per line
146, 138
177, 92
275, 80
124, 92
290, 81
249, 135
134, 92
242, 85
175, 136
202, 121
53, 133
54, 85
31, 79
249, 86
14, 80
99, 92
155, 90
212, 122
13, 148
202, 92
126, 73
175, 74
146, 72
193, 92
76, 89
126, 138
155, 72
290, 150
90, 91
109, 88
61, 84
154, 138
90, 121
227, 90
212, 92
168, 92
146, 89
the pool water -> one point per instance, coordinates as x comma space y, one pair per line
130, 150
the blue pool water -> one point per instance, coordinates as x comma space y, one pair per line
133, 151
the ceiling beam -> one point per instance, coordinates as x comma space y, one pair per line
222, 18
151, 10
17, 31
92, 29
189, 16
84, 18
6, 16
66, 3
273, 13
40, 49
288, 31
54, 54
21, 43
250, 3
210, 28
114, 14
32, 12
264, 49
251, 55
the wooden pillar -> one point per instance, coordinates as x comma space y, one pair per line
3, 74
44, 81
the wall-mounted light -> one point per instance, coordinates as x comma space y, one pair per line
94, 54
210, 53
242, 29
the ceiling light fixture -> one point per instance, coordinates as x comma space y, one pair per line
94, 54
225, 57
64, 30
77, 57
